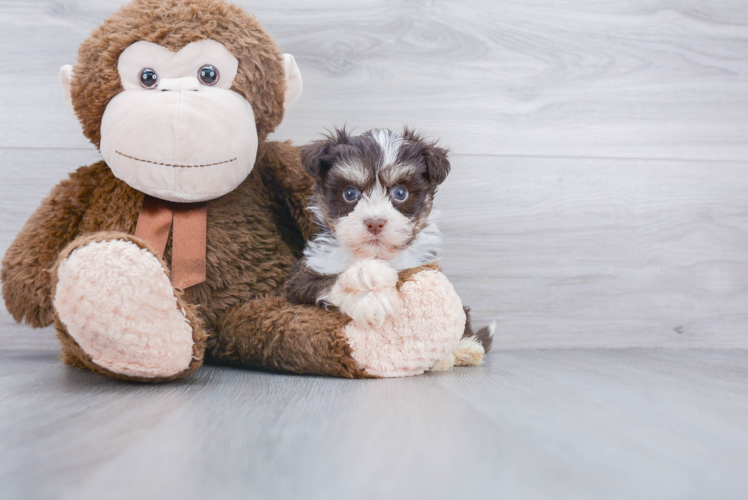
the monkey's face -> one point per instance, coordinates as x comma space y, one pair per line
177, 131
177, 94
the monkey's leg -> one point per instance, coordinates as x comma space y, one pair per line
117, 314
271, 333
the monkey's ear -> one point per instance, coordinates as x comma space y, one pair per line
66, 76
294, 84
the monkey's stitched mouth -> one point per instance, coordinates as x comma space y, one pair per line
174, 164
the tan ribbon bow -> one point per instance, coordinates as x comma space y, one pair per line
188, 223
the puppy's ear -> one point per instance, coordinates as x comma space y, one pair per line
318, 157
434, 157
437, 164
315, 158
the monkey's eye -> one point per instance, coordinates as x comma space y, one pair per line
148, 78
350, 194
208, 75
400, 193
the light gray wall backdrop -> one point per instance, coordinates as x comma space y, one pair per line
599, 194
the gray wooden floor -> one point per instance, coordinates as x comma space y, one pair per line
529, 424
597, 210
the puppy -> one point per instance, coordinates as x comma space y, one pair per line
373, 200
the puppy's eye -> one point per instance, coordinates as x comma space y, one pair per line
148, 78
208, 75
350, 194
400, 193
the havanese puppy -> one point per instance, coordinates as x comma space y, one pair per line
373, 200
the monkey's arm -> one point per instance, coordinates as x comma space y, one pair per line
272, 333
306, 286
281, 172
26, 280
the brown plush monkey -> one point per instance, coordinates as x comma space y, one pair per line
175, 248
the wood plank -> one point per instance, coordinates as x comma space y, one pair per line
626, 79
535, 424
600, 253
561, 252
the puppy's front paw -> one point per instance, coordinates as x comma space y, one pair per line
371, 308
370, 275
367, 292
426, 331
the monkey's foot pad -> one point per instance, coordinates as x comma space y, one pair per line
428, 328
116, 301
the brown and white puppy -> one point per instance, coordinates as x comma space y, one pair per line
373, 199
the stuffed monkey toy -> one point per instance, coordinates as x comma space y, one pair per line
173, 250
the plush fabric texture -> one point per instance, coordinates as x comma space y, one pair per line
167, 141
254, 235
269, 332
176, 65
176, 157
430, 325
72, 352
445, 364
174, 24
294, 83
66, 76
116, 301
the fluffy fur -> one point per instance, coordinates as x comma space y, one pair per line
173, 24
351, 264
411, 342
366, 292
153, 335
325, 254
371, 167
76, 355
255, 234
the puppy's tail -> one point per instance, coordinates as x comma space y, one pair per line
484, 335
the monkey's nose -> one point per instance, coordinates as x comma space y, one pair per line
375, 226
185, 83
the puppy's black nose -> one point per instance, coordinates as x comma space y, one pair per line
375, 226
